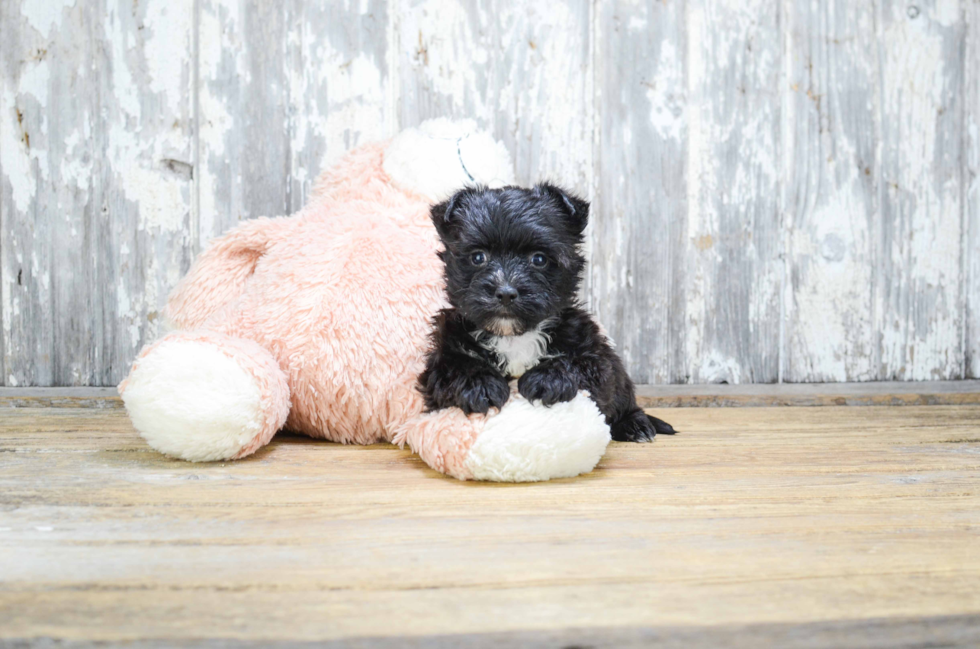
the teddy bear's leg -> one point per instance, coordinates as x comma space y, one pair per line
203, 396
442, 439
524, 442
220, 273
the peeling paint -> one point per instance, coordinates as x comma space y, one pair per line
160, 202
970, 334
44, 16
86, 186
466, 60
667, 107
732, 293
831, 200
919, 299
777, 189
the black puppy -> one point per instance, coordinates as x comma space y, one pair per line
513, 268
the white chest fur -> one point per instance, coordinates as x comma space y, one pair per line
517, 354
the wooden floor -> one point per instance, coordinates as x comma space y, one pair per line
801, 527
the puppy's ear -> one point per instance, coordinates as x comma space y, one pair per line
576, 209
444, 217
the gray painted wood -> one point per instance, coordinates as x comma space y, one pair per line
782, 190
95, 148
640, 244
521, 69
830, 206
733, 263
971, 181
243, 114
284, 88
338, 85
919, 292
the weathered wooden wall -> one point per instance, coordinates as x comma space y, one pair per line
783, 189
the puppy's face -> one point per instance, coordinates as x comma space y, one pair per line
512, 257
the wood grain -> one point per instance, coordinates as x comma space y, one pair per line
920, 297
95, 183
285, 88
639, 218
523, 70
784, 191
971, 182
749, 517
947, 631
60, 398
892, 393
831, 196
244, 111
734, 272
338, 85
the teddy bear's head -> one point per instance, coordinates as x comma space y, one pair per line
441, 156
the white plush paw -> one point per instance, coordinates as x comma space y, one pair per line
529, 443
190, 400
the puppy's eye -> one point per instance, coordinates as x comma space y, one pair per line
538, 260
478, 258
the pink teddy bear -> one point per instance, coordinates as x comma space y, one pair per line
318, 323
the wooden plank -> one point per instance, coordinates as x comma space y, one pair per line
952, 632
810, 394
733, 242
337, 67
971, 181
947, 631
831, 124
920, 295
284, 89
59, 398
750, 517
893, 393
522, 69
5, 40
243, 114
96, 187
639, 222
104, 195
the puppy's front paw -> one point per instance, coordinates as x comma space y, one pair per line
482, 392
471, 390
550, 383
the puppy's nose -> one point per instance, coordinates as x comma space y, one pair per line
506, 294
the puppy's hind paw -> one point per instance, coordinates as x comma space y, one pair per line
639, 427
661, 426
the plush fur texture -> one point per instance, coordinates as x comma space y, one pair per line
231, 393
513, 269
518, 445
441, 155
319, 322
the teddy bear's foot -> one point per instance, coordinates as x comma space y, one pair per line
524, 442
203, 396
529, 442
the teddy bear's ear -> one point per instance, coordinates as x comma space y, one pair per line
575, 208
444, 214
